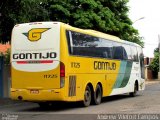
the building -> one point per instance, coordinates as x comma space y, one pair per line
148, 72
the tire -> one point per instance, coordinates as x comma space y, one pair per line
133, 94
97, 95
87, 97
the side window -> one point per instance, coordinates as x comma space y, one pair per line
68, 41
141, 60
127, 54
134, 53
117, 51
106, 47
86, 45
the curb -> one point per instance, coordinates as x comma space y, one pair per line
152, 82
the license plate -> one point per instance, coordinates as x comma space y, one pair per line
34, 91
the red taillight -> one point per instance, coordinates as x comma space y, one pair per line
62, 75
62, 70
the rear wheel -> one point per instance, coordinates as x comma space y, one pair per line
97, 95
87, 96
134, 93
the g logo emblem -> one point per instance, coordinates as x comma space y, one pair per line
35, 34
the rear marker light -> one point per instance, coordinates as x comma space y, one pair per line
62, 74
35, 23
62, 70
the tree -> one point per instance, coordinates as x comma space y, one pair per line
108, 16
19, 11
8, 10
154, 66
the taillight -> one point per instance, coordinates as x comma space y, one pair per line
62, 70
62, 74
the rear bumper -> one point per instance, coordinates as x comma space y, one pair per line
42, 95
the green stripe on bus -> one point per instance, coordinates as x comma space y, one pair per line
120, 75
127, 74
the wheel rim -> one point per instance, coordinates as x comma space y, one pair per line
98, 95
87, 96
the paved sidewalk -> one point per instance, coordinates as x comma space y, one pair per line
148, 82
8, 101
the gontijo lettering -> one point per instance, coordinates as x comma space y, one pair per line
34, 55
98, 65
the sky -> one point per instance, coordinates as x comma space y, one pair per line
149, 26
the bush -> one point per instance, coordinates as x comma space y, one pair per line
154, 66
6, 56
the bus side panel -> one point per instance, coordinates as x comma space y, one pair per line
125, 82
86, 70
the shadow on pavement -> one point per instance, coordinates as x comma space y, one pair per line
62, 106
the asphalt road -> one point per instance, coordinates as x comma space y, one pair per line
146, 102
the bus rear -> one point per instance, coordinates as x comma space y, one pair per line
36, 72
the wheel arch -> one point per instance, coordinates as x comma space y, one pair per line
137, 84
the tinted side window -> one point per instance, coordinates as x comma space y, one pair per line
68, 41
134, 53
106, 47
127, 54
141, 60
86, 45
117, 51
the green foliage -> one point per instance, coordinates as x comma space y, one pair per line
19, 11
156, 50
6, 57
31, 10
1, 54
108, 16
154, 66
